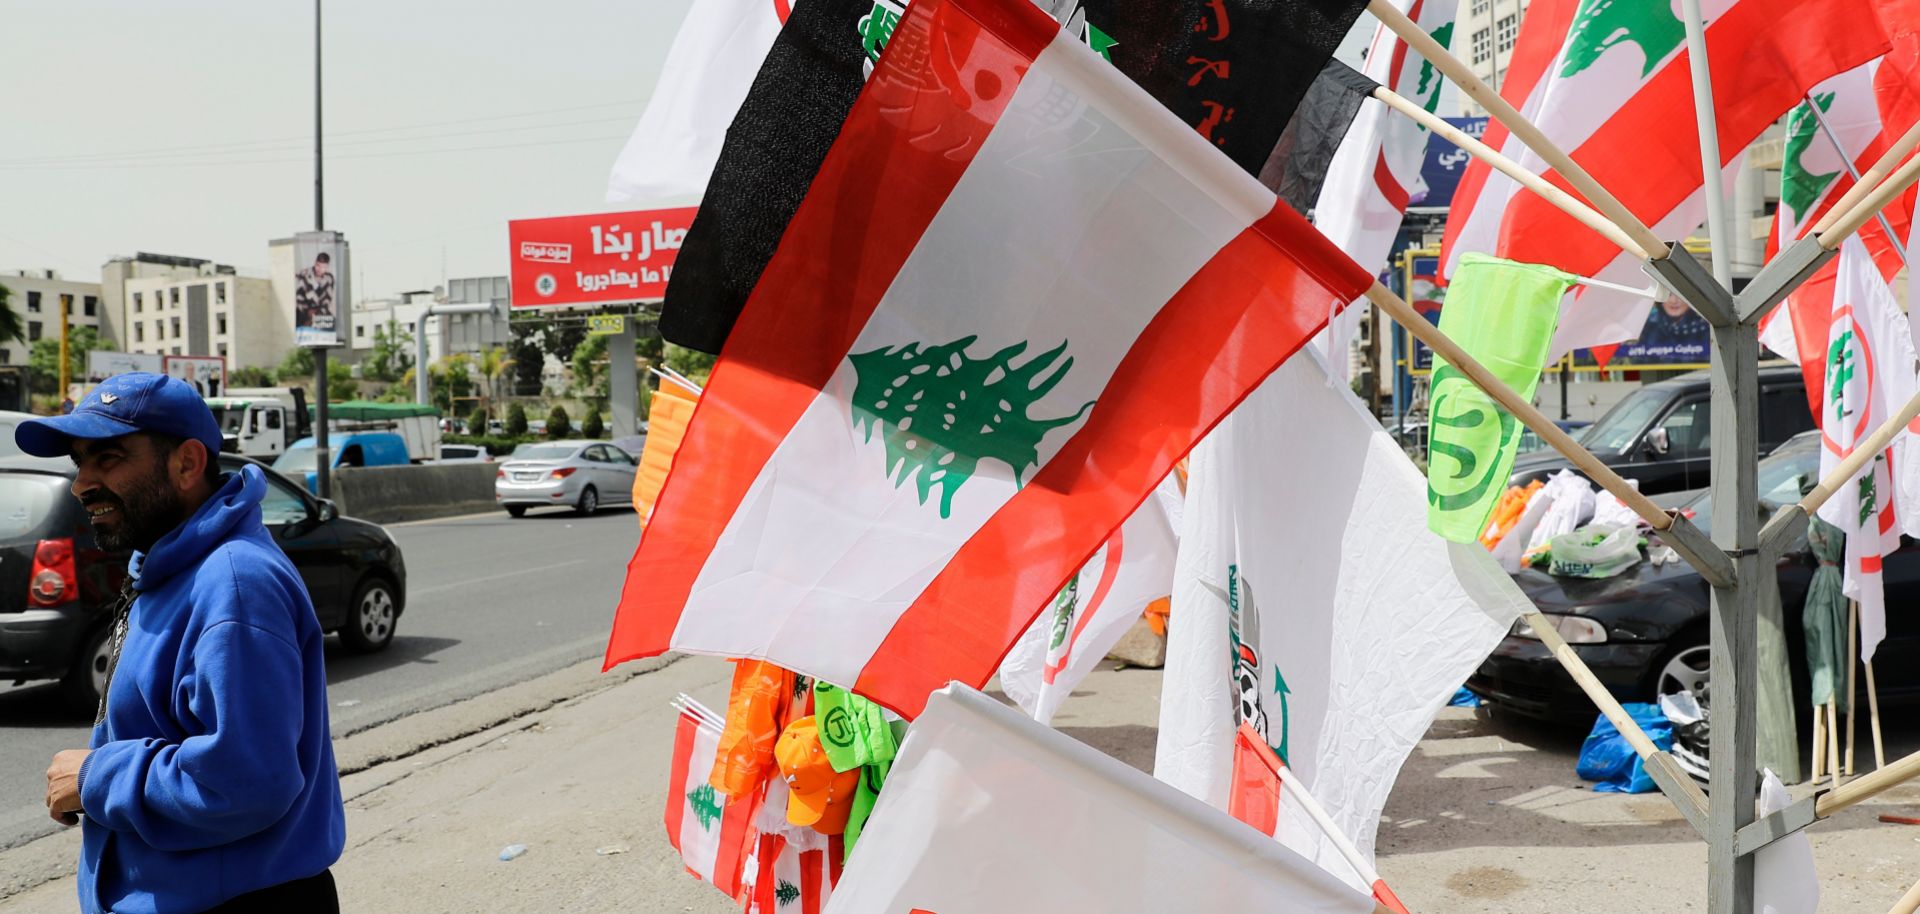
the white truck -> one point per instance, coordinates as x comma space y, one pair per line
418, 425
261, 422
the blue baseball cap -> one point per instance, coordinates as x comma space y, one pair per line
137, 401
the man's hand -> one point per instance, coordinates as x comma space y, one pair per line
63, 786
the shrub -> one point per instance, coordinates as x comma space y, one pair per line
516, 421
558, 424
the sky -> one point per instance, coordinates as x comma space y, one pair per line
186, 127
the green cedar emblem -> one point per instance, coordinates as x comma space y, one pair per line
876, 28
785, 893
942, 411
1839, 369
1799, 186
706, 806
1063, 612
1602, 24
1427, 91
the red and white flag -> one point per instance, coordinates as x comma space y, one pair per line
1017, 292
712, 833
1096, 608
1870, 375
1609, 83
793, 872
1376, 170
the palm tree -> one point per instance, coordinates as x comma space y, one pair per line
494, 363
12, 328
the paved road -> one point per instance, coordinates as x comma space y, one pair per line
492, 601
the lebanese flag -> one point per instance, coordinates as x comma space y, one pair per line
1869, 107
1096, 608
712, 833
1376, 170
1611, 86
1017, 292
794, 872
1870, 371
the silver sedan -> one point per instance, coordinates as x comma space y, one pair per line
583, 475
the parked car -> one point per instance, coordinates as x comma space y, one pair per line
363, 449
9, 419
1645, 632
464, 453
1659, 434
57, 586
580, 474
1530, 441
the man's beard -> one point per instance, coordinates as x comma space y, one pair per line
147, 511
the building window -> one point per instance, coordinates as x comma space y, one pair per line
138, 304
176, 329
173, 295
360, 332
222, 318
159, 330
1480, 7
139, 333
1509, 29
33, 302
6, 357
220, 293
222, 350
91, 304
33, 331
1483, 46
176, 350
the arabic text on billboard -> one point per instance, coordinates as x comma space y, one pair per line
595, 259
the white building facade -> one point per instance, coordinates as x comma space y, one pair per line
38, 297
212, 311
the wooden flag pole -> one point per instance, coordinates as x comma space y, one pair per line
1873, 717
1870, 178
1565, 202
1819, 744
1853, 693
1526, 412
1862, 452
1895, 185
1908, 903
1603, 200
1833, 740
1869, 786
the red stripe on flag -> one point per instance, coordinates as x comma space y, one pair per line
886, 180
683, 734
810, 887
1254, 796
736, 837
768, 879
1759, 70
1386, 897
1108, 571
1244, 312
1389, 187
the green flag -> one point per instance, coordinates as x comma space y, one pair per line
1503, 314
853, 730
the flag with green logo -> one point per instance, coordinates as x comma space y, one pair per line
1503, 314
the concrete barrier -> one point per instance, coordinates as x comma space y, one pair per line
386, 495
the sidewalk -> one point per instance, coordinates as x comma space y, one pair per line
1486, 817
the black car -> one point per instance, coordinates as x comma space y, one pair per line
1659, 433
56, 585
1645, 632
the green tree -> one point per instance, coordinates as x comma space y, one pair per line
592, 426
297, 366
516, 421
590, 375
250, 376
650, 346
44, 358
694, 364
477, 422
558, 424
340, 383
493, 364
12, 327
392, 352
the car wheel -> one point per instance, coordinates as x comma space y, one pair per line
517, 510
88, 677
370, 618
589, 502
1687, 670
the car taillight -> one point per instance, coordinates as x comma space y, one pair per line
53, 580
499, 474
563, 472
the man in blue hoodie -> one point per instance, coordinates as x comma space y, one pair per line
209, 782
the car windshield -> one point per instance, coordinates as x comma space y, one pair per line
1617, 429
1785, 475
231, 418
297, 461
544, 451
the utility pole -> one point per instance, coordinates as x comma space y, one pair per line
66, 306
323, 454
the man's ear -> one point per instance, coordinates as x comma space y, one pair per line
188, 464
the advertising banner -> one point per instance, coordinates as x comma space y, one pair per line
207, 373
1426, 294
319, 288
102, 364
1445, 163
595, 259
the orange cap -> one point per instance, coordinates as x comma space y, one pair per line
817, 795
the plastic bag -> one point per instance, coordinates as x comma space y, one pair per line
1595, 552
1570, 505
1608, 758
1609, 510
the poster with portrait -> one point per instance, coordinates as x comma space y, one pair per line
1674, 334
319, 288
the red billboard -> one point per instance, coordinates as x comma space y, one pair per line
596, 259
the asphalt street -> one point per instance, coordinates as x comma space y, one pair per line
491, 601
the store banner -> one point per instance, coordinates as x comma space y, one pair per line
595, 259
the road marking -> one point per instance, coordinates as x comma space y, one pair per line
492, 577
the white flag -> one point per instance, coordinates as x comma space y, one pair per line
710, 67
986, 811
1870, 376
1784, 879
1306, 566
1096, 608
